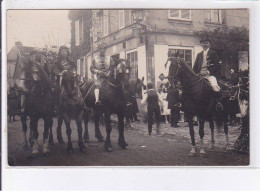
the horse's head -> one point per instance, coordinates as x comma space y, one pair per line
139, 87
29, 68
122, 72
68, 81
175, 68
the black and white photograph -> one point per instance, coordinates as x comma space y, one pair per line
128, 87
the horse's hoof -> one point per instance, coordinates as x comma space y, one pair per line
86, 140
212, 147
82, 149
60, 140
109, 149
228, 147
45, 150
51, 141
100, 138
35, 151
192, 154
69, 150
31, 142
25, 147
202, 152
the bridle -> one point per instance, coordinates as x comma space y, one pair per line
179, 68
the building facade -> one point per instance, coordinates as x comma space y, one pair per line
12, 56
144, 38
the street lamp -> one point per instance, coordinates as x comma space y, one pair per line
137, 15
138, 26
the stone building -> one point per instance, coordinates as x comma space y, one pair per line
145, 36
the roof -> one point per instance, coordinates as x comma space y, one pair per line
12, 54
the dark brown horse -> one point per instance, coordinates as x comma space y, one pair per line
113, 100
196, 97
34, 83
71, 106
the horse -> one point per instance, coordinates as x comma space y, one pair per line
196, 97
71, 106
113, 100
34, 83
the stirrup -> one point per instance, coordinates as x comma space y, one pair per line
219, 107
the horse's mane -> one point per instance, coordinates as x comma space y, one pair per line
187, 68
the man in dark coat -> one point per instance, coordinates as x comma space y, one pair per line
207, 64
64, 62
153, 99
173, 99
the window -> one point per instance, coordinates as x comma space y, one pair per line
78, 66
181, 14
133, 60
81, 37
105, 23
77, 32
121, 14
213, 16
185, 54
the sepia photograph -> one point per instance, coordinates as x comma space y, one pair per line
127, 87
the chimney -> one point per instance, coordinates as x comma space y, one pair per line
18, 43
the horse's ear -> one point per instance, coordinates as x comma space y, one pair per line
142, 79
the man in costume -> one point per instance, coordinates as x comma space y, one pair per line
100, 67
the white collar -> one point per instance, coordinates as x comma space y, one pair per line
206, 51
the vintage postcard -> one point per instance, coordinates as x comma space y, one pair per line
111, 88
128, 87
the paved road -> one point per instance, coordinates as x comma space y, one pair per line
170, 149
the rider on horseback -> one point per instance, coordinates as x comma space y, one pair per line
207, 64
63, 62
100, 67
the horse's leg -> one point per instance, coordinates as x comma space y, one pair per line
47, 126
226, 133
212, 144
24, 127
68, 131
59, 134
190, 122
121, 139
35, 134
98, 134
108, 146
86, 135
14, 118
51, 141
10, 118
127, 122
82, 147
201, 133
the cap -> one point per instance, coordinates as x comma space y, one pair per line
102, 45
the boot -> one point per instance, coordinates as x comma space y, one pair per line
96, 91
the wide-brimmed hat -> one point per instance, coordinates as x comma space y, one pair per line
205, 39
63, 47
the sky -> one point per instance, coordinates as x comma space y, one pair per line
38, 28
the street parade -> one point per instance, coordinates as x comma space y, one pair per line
182, 106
